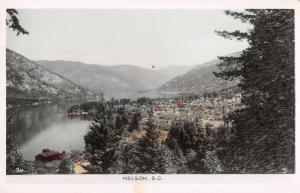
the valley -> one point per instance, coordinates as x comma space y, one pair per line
41, 94
100, 91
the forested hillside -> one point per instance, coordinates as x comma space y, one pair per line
116, 81
26, 79
199, 80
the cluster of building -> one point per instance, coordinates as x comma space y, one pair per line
212, 111
208, 111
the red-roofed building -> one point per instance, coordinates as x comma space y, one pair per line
49, 155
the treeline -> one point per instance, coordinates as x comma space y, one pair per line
127, 101
115, 102
223, 93
85, 106
188, 148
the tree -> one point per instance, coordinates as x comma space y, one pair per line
134, 123
102, 139
148, 155
144, 100
124, 120
15, 163
118, 124
12, 22
124, 101
262, 134
64, 167
190, 143
185, 134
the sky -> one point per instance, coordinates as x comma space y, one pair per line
114, 37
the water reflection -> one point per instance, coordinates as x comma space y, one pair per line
47, 126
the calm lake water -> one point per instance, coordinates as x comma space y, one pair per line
48, 126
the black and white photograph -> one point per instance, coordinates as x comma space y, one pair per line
139, 97
150, 91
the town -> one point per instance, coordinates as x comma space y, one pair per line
208, 111
161, 96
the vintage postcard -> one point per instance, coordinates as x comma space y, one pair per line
149, 95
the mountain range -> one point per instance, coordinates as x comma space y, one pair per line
199, 80
59, 78
114, 81
27, 79
174, 70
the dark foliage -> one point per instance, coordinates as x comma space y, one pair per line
186, 135
148, 155
134, 123
124, 101
196, 148
118, 124
12, 22
144, 100
64, 167
261, 138
15, 164
102, 140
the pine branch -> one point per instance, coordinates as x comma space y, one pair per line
244, 17
13, 22
231, 35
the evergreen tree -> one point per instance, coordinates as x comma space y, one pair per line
190, 143
65, 167
118, 125
186, 135
144, 100
196, 160
134, 123
124, 119
101, 140
262, 134
15, 163
12, 22
148, 155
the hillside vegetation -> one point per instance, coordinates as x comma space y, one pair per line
199, 80
116, 81
26, 79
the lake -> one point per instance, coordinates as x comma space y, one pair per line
35, 128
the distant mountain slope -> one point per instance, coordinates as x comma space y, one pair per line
199, 80
117, 81
174, 70
26, 79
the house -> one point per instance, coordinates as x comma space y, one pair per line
49, 155
178, 104
158, 109
76, 111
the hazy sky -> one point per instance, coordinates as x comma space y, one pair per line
113, 37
